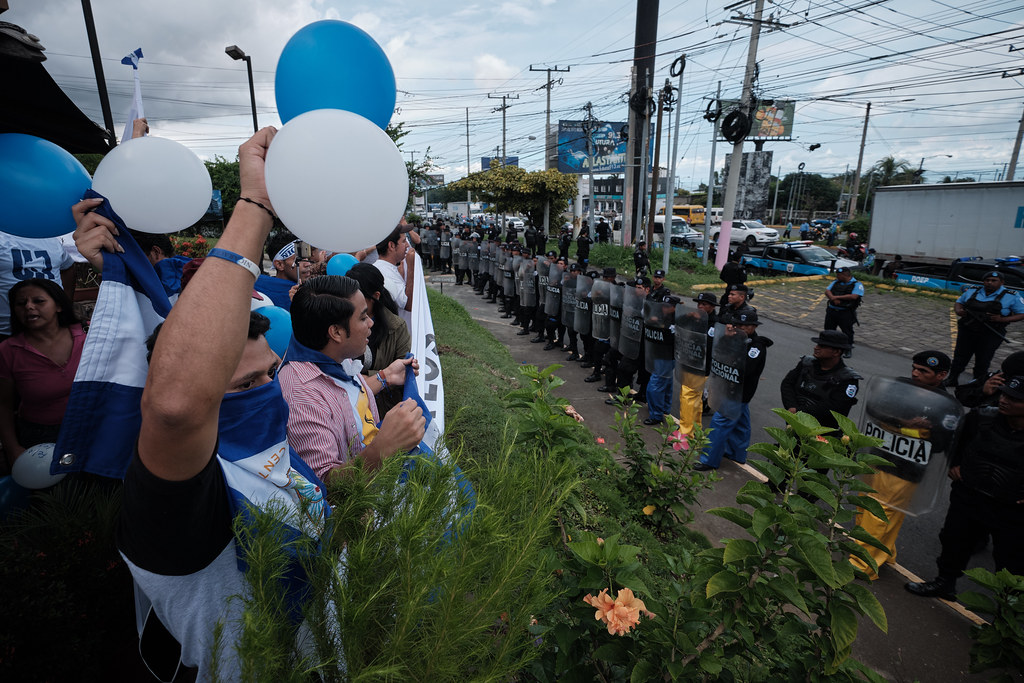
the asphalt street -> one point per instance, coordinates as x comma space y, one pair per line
928, 639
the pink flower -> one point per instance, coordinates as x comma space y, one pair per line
600, 440
820, 438
679, 440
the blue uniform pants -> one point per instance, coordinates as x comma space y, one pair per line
728, 437
659, 389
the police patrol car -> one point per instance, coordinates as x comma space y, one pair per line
964, 273
795, 258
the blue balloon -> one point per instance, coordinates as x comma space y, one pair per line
12, 496
280, 333
340, 264
334, 65
39, 182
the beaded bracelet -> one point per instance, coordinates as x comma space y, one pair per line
237, 259
383, 382
253, 201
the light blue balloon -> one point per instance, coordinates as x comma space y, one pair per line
340, 264
280, 333
39, 182
334, 65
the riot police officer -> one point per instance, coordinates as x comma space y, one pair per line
821, 383
987, 496
641, 259
600, 297
583, 243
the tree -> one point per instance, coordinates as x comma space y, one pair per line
417, 170
892, 171
512, 188
816, 192
224, 175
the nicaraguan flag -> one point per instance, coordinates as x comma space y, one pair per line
103, 418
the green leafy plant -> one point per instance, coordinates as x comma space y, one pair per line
999, 644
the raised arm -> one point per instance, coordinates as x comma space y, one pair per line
202, 340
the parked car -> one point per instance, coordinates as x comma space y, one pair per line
963, 273
796, 258
514, 222
750, 232
684, 236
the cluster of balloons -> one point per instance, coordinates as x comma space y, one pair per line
333, 174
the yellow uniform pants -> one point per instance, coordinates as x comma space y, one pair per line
894, 491
691, 401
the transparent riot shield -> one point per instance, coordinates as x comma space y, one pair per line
691, 342
728, 362
600, 298
517, 281
543, 269
553, 292
446, 244
631, 330
464, 246
582, 322
569, 299
615, 315
492, 259
659, 346
917, 426
529, 283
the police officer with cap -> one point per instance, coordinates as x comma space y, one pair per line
601, 346
844, 297
736, 302
691, 397
641, 259
659, 292
821, 383
730, 437
984, 313
987, 496
912, 423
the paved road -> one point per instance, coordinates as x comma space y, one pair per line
928, 640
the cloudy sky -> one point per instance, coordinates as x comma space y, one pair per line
932, 69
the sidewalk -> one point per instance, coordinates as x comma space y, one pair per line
928, 640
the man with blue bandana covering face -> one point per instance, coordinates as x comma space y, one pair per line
212, 446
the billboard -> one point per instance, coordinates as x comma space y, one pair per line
771, 121
609, 147
485, 162
755, 177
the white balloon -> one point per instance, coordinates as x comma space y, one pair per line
336, 180
155, 185
32, 468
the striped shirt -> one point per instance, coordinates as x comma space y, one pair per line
329, 422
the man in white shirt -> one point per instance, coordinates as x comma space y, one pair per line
396, 261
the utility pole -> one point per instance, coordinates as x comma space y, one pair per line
852, 211
842, 189
711, 183
645, 44
549, 157
469, 195
589, 125
504, 149
663, 98
1016, 151
645, 146
736, 165
670, 200
97, 65
775, 203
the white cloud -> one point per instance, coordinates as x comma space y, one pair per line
487, 67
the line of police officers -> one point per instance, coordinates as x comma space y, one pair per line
637, 331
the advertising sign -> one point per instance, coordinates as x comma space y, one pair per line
610, 147
771, 121
485, 162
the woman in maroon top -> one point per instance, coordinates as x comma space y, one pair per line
37, 365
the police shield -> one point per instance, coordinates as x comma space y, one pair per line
691, 342
600, 298
584, 285
529, 283
615, 315
659, 346
464, 247
492, 259
553, 291
569, 299
631, 329
517, 264
917, 426
446, 244
728, 362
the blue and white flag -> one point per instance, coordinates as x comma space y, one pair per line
429, 383
103, 415
136, 111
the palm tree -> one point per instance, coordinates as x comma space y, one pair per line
892, 171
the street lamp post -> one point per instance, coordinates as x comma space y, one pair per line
236, 53
920, 166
